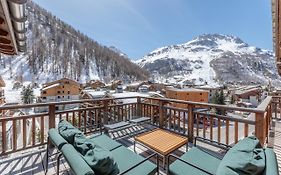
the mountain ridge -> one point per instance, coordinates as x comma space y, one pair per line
204, 60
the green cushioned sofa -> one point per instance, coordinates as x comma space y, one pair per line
199, 161
127, 161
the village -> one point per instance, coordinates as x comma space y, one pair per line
65, 89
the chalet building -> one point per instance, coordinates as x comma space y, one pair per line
2, 95
187, 94
251, 95
94, 84
113, 85
211, 89
134, 87
61, 90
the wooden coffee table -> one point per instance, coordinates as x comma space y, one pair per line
161, 141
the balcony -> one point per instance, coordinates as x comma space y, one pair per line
24, 137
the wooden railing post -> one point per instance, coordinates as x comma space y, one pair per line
260, 128
105, 111
269, 116
161, 114
52, 116
190, 123
139, 107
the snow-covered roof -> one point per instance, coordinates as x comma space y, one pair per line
95, 94
51, 86
126, 95
187, 90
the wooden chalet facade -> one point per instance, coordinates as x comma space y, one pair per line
64, 89
187, 94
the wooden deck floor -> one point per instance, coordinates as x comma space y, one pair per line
32, 161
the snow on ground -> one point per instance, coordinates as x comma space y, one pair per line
9, 75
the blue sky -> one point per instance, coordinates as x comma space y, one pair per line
137, 27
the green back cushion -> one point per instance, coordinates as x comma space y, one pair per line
245, 158
98, 158
56, 138
67, 131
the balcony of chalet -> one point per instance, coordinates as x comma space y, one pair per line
23, 137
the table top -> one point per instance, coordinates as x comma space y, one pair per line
161, 141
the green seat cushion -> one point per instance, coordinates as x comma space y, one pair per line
105, 142
271, 167
125, 159
245, 158
98, 158
198, 157
67, 131
75, 161
56, 138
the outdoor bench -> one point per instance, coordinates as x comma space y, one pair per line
127, 161
198, 161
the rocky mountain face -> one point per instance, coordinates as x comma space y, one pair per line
56, 50
212, 59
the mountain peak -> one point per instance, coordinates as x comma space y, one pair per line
212, 40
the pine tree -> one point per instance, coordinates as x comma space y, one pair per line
221, 98
27, 95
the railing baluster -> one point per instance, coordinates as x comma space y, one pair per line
184, 122
24, 132
33, 128
85, 121
42, 129
197, 124
91, 119
246, 129
236, 131
14, 135
179, 120
79, 119
211, 128
67, 119
219, 129
227, 132
4, 136
73, 119
204, 126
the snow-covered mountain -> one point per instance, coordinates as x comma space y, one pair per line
56, 50
212, 59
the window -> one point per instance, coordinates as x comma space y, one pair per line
200, 93
63, 92
68, 92
44, 98
58, 92
62, 86
58, 97
62, 96
44, 92
68, 97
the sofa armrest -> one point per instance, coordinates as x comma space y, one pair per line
146, 159
188, 163
212, 143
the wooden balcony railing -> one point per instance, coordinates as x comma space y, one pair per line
20, 132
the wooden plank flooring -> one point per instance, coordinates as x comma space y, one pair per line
32, 161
